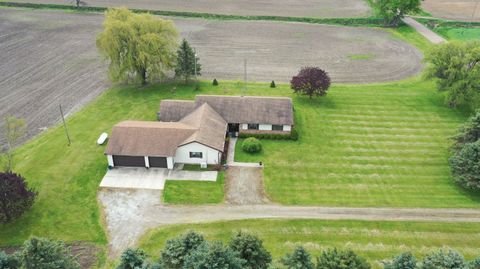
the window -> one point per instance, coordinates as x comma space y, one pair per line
253, 126
198, 155
277, 127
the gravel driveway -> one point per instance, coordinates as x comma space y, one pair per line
130, 214
244, 186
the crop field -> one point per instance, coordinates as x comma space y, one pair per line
288, 8
49, 57
462, 10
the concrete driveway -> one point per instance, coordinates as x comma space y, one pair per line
151, 179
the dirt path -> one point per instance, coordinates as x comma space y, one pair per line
423, 30
129, 214
290, 8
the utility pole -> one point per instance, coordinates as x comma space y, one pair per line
195, 62
245, 76
65, 126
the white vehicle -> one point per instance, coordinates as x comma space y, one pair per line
103, 137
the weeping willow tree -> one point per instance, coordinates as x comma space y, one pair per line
139, 47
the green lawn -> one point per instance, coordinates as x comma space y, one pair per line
377, 145
67, 177
194, 192
453, 33
373, 240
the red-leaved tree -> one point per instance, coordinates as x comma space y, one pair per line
15, 196
311, 81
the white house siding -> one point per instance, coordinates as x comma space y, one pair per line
110, 160
170, 162
266, 127
209, 155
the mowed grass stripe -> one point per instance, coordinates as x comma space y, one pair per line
385, 146
374, 240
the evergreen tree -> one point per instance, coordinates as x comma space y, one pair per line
187, 62
250, 248
299, 259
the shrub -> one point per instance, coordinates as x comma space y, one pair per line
176, 250
272, 85
215, 82
9, 261
250, 249
339, 259
252, 145
475, 264
299, 259
469, 132
403, 261
41, 253
292, 136
15, 196
444, 260
213, 256
465, 166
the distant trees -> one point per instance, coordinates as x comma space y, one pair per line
187, 62
392, 11
298, 259
449, 259
311, 81
139, 47
177, 249
14, 130
456, 67
465, 161
341, 259
213, 255
403, 261
15, 197
250, 249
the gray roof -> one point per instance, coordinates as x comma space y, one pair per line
175, 110
144, 138
235, 109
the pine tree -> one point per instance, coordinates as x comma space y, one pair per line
187, 62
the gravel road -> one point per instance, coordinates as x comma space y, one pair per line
131, 213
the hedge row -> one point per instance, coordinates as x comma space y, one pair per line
370, 21
292, 136
446, 23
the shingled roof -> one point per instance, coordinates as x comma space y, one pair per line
234, 109
161, 139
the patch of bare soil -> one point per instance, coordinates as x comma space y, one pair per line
464, 10
86, 253
244, 186
290, 8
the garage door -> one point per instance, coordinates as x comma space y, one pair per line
135, 161
158, 162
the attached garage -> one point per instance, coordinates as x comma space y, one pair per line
132, 161
158, 162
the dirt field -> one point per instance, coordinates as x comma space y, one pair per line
464, 10
290, 8
49, 57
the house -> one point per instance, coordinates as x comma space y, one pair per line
244, 114
193, 132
